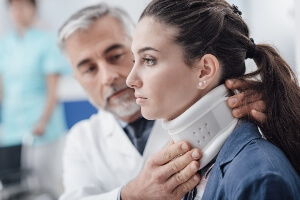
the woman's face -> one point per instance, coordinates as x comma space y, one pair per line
165, 86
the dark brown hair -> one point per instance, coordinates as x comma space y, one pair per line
33, 2
215, 27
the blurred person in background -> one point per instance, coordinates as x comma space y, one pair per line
30, 67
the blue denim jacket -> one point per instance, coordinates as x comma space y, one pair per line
250, 167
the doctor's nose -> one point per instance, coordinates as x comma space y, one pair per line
133, 81
109, 76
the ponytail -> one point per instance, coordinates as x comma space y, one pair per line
281, 93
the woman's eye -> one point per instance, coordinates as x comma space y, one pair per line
149, 61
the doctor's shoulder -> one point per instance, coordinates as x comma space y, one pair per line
94, 128
84, 129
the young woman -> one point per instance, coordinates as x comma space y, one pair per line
184, 51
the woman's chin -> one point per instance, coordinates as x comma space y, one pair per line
149, 115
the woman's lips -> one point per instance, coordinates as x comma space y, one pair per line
140, 99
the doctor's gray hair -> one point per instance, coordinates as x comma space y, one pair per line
84, 18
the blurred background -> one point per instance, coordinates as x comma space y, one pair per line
270, 21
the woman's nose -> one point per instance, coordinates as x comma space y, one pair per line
133, 80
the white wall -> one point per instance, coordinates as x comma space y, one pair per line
272, 21
54, 12
57, 11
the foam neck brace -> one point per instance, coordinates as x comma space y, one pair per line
205, 125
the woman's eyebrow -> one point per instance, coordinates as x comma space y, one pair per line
147, 49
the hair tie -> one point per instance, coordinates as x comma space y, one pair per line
236, 10
251, 50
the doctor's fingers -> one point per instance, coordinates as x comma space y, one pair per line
239, 99
186, 179
171, 151
235, 84
184, 166
250, 109
258, 116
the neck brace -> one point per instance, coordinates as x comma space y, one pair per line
205, 125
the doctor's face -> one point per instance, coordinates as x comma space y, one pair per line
165, 86
101, 60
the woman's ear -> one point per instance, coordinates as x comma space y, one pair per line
208, 71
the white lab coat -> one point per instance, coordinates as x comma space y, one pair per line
99, 158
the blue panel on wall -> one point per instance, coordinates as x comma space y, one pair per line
76, 111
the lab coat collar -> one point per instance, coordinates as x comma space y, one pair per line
108, 121
116, 137
119, 141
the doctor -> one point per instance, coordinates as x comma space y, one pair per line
104, 158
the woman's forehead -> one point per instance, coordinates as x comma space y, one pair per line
150, 31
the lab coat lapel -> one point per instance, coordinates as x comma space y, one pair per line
117, 139
119, 144
120, 152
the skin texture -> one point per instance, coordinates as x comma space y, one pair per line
160, 76
164, 177
158, 64
255, 106
101, 60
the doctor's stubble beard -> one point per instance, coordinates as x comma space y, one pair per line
123, 106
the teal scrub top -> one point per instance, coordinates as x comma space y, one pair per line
24, 64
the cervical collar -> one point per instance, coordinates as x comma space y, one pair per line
205, 125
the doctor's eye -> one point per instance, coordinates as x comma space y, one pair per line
115, 58
149, 61
90, 69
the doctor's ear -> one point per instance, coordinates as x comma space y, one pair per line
208, 71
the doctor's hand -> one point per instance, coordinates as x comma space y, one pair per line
255, 106
168, 174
